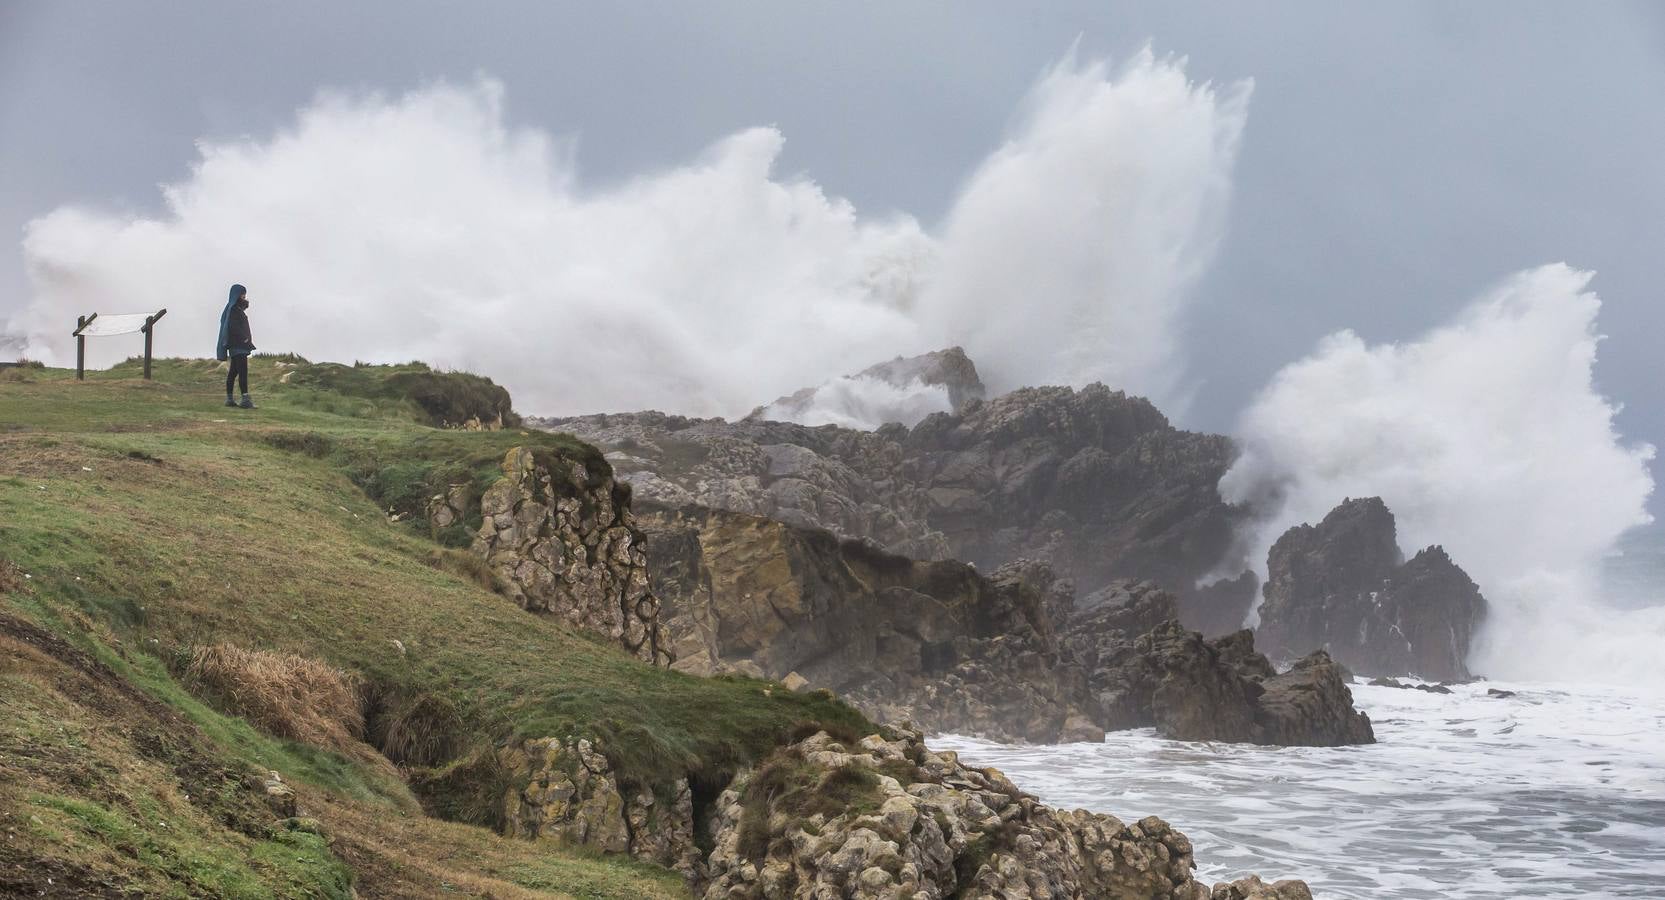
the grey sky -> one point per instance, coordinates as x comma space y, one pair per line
1398, 158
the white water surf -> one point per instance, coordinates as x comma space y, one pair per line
1557, 792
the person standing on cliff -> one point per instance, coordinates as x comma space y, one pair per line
236, 343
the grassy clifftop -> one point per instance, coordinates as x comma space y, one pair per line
139, 521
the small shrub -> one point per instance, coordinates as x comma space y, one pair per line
466, 565
469, 789
285, 695
424, 730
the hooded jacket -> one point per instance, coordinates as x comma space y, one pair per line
235, 339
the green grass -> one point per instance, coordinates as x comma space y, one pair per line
174, 521
791, 786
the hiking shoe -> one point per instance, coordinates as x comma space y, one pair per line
229, 401
247, 403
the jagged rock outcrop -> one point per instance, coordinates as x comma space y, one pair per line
919, 824
852, 483
1311, 705
562, 540
1096, 483
1343, 585
1193, 689
949, 369
1009, 656
934, 641
566, 792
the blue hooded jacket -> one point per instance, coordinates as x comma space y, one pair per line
222, 351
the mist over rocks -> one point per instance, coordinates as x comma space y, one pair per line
1344, 585
1094, 482
903, 390
1487, 434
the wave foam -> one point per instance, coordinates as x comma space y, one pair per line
1486, 435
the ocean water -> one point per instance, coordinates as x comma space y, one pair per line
1558, 791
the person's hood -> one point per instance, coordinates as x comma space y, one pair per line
238, 294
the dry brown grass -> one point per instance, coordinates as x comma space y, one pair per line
285, 695
422, 730
11, 577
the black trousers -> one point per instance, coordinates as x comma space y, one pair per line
239, 372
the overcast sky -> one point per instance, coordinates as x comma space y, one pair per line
1398, 159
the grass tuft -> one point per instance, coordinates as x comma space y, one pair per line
422, 730
791, 785
285, 695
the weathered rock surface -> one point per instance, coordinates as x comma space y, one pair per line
566, 792
1010, 656
922, 825
1343, 585
1192, 689
901, 638
1311, 705
1252, 888
563, 541
1096, 483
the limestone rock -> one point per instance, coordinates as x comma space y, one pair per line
564, 542
566, 792
1252, 888
794, 682
280, 797
937, 829
449, 508
1343, 586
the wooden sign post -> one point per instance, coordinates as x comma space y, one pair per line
120, 323
150, 323
81, 323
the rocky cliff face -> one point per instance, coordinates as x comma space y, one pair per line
563, 541
1344, 586
931, 639
565, 791
1094, 482
938, 644
878, 817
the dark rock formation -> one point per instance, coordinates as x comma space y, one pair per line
1094, 482
951, 369
1343, 585
934, 641
1311, 705
1192, 689
938, 644
1425, 688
